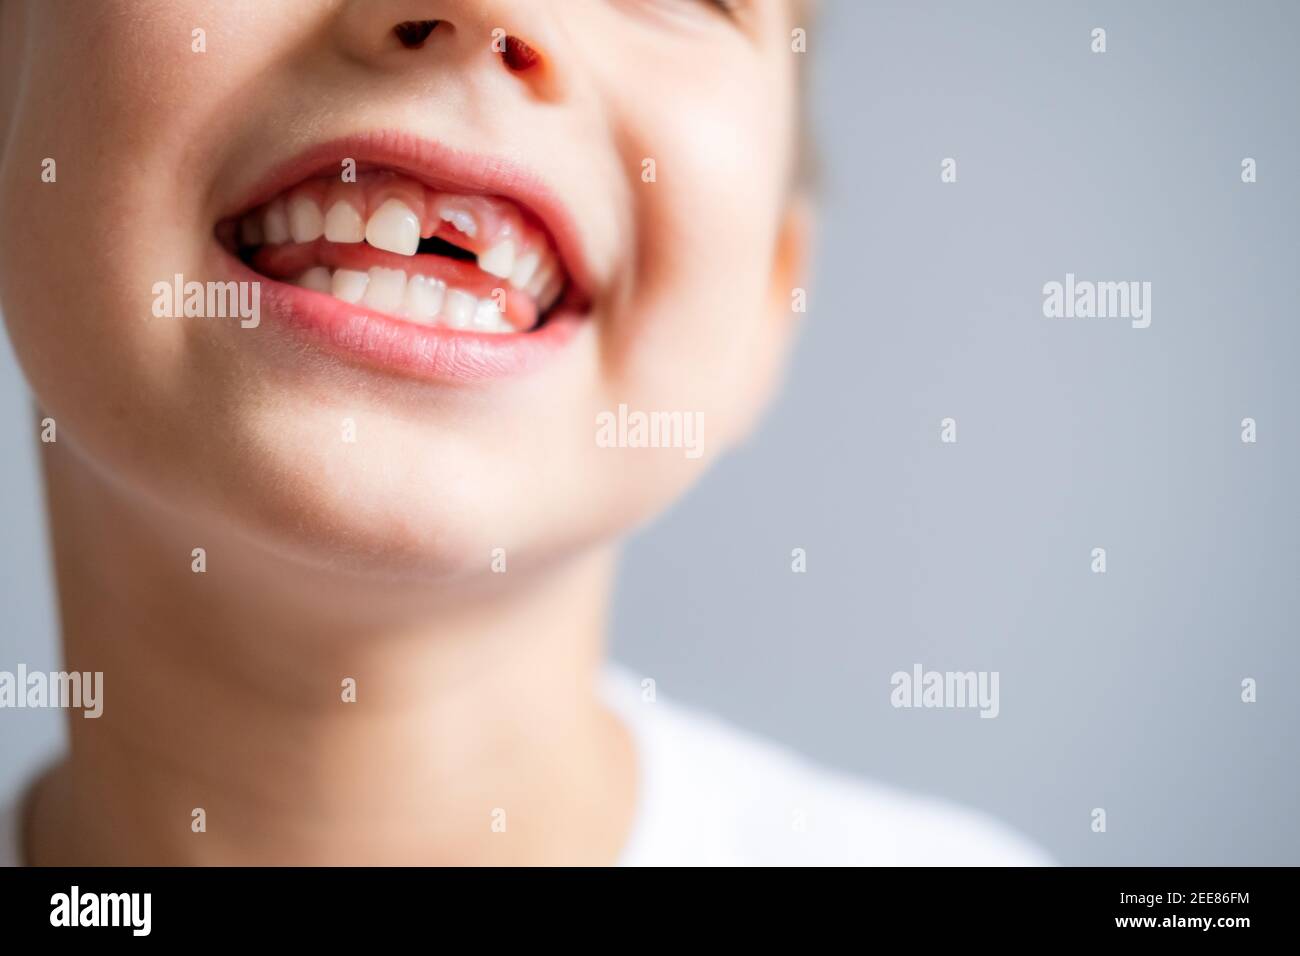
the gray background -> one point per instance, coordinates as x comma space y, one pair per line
1120, 690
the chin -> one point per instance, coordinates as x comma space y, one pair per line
383, 514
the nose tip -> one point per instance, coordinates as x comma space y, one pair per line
517, 41
517, 54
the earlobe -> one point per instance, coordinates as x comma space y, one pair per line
791, 257
787, 301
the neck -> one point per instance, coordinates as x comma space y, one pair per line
475, 736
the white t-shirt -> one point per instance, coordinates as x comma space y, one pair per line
711, 794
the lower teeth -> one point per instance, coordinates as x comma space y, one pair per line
416, 298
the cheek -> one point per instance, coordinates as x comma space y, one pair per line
109, 107
702, 313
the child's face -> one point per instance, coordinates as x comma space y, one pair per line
648, 152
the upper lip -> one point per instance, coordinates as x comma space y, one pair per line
445, 168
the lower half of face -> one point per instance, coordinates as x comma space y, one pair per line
387, 307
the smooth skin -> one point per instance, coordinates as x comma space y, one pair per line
370, 560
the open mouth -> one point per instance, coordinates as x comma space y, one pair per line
392, 245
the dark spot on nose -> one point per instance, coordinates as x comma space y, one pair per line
518, 55
413, 33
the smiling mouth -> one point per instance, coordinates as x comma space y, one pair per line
393, 245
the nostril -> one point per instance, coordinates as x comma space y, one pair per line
413, 33
518, 55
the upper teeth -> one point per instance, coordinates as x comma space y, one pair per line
517, 254
463, 221
499, 260
343, 223
524, 268
305, 221
276, 224
395, 227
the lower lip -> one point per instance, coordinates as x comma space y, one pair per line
435, 353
